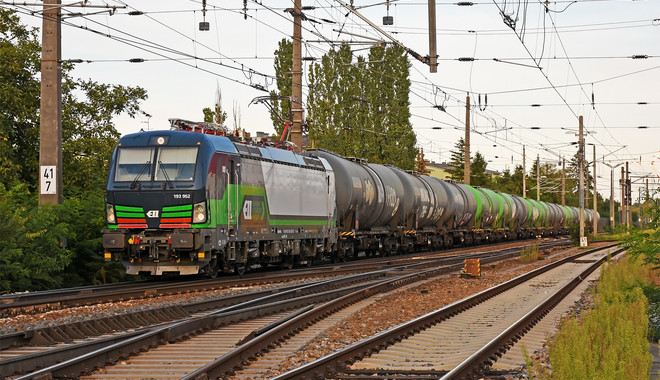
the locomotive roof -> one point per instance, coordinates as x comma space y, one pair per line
184, 138
219, 143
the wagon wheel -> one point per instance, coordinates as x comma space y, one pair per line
240, 269
287, 262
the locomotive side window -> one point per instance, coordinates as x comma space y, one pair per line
134, 163
176, 164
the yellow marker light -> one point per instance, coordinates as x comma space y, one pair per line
107, 255
200, 255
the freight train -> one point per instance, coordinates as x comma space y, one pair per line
187, 203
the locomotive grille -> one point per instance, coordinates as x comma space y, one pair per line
130, 217
176, 216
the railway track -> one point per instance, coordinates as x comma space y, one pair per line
464, 339
36, 302
21, 355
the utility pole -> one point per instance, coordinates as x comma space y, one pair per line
595, 196
466, 167
612, 167
624, 214
538, 179
628, 196
296, 77
524, 175
563, 181
50, 129
433, 50
583, 242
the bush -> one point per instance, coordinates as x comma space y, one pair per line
610, 342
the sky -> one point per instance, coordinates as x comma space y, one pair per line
528, 79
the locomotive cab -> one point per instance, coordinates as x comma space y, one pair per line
157, 202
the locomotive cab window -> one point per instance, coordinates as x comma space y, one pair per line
134, 163
176, 164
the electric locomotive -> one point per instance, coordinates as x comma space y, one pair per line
188, 203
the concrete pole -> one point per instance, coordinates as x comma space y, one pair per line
524, 175
595, 197
563, 181
296, 77
466, 169
628, 196
538, 179
433, 49
50, 129
581, 182
612, 199
624, 214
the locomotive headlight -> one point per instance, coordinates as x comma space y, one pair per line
110, 213
199, 212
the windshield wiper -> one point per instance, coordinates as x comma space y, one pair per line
167, 178
142, 171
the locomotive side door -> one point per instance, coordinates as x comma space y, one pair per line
233, 196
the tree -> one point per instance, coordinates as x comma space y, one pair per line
19, 90
217, 114
457, 161
478, 175
51, 245
280, 99
478, 164
359, 107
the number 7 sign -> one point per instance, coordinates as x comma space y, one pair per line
48, 180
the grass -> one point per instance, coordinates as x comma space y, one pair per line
529, 254
609, 341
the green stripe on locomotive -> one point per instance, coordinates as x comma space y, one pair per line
227, 211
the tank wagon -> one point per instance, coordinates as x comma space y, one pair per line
188, 203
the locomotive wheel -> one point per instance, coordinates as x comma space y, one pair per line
214, 267
212, 271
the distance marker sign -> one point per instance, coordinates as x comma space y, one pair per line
48, 179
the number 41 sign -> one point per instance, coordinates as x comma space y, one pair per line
48, 180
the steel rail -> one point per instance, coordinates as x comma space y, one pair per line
12, 304
72, 364
329, 365
235, 359
49, 335
494, 349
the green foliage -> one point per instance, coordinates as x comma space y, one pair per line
208, 114
51, 246
217, 114
478, 176
646, 243
30, 253
530, 254
610, 340
360, 107
20, 64
283, 68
